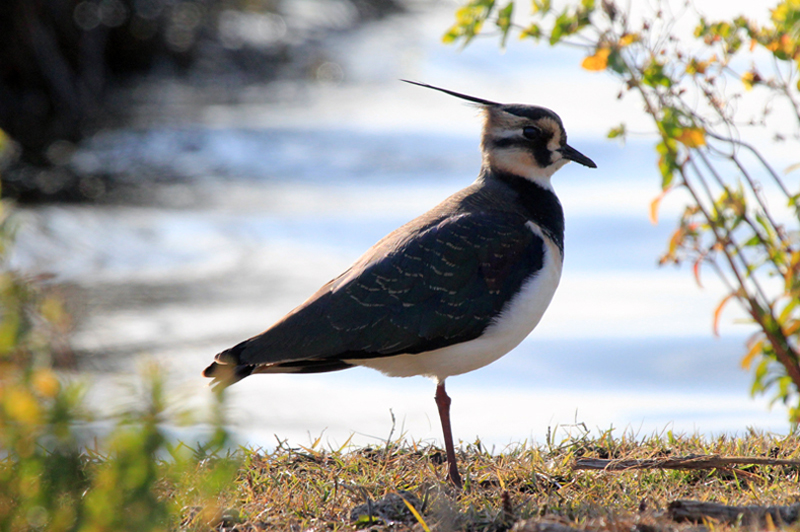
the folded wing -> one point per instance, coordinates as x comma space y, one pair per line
440, 285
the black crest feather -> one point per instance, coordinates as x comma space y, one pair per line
472, 99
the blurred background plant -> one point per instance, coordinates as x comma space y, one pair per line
51, 478
69, 68
741, 218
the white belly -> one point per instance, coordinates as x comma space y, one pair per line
517, 320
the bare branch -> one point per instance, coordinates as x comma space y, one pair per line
710, 461
697, 512
755, 152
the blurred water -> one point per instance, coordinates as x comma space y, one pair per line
282, 197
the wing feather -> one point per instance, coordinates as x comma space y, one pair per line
442, 285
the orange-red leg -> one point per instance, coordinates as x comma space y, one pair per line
443, 402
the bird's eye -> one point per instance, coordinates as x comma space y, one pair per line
531, 132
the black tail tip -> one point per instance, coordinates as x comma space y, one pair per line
226, 366
211, 370
225, 374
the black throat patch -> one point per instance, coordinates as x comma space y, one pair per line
541, 205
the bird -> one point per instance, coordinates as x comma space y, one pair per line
448, 292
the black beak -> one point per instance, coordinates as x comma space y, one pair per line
570, 153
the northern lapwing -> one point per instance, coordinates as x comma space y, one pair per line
448, 292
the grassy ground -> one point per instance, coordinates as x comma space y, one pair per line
524, 487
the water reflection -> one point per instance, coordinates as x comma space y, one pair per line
260, 204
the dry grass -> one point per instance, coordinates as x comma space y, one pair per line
313, 489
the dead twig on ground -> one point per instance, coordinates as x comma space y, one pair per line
682, 462
696, 511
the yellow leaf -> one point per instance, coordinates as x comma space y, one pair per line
754, 350
787, 45
698, 67
22, 406
780, 12
598, 61
53, 311
791, 271
748, 79
791, 327
451, 35
628, 39
46, 383
718, 312
465, 15
675, 240
654, 207
770, 523
654, 210
792, 168
692, 137
416, 515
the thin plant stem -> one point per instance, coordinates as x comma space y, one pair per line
745, 217
758, 155
727, 240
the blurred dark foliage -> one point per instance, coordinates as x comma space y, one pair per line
60, 59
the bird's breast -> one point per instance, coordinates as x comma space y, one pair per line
524, 311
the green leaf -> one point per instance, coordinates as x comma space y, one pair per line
787, 310
504, 21
737, 220
670, 125
667, 174
702, 28
752, 241
9, 329
616, 63
562, 27
4, 141
764, 222
667, 163
759, 379
654, 76
619, 131
451, 36
542, 6
469, 21
533, 31
783, 392
583, 13
364, 521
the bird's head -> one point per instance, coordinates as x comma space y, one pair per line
524, 140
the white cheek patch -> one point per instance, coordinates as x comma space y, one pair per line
522, 163
516, 159
504, 133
